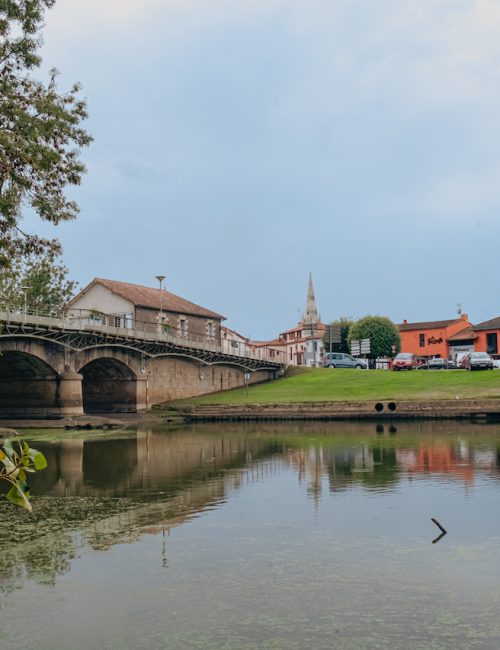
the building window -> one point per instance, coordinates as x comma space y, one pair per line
422, 340
492, 343
182, 326
95, 317
210, 330
115, 321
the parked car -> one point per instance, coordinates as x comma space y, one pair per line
478, 361
404, 361
342, 360
438, 364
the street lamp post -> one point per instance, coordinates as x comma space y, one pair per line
160, 279
25, 289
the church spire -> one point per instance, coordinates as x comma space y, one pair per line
311, 316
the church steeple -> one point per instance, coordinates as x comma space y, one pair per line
311, 316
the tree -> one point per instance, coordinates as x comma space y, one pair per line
343, 324
40, 134
381, 331
46, 278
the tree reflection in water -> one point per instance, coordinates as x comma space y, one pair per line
101, 491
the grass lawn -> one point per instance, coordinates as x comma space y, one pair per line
329, 384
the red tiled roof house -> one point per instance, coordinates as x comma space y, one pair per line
133, 306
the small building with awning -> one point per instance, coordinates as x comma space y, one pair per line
462, 342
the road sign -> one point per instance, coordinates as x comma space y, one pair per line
332, 334
355, 348
365, 346
362, 346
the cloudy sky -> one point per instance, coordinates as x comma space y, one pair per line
241, 144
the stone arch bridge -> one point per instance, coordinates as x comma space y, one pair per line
59, 367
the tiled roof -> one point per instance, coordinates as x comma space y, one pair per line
492, 324
466, 334
317, 327
148, 297
262, 344
228, 329
429, 325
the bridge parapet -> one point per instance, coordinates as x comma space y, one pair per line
66, 363
82, 329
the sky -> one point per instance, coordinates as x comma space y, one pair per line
241, 144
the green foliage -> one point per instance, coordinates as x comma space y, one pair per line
345, 325
40, 134
15, 463
381, 331
46, 277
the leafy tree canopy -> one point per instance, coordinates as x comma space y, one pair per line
381, 331
343, 324
42, 278
40, 134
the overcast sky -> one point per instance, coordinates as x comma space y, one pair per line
240, 144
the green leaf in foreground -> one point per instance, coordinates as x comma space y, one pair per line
15, 463
16, 496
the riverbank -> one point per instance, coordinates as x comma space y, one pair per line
369, 410
316, 394
337, 385
88, 422
324, 394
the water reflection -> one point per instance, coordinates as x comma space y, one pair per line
153, 461
193, 468
290, 501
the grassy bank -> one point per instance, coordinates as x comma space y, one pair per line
327, 385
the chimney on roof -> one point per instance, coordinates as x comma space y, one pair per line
464, 317
405, 322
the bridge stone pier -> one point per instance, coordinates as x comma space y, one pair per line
50, 368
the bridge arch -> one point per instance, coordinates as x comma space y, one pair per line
110, 385
29, 386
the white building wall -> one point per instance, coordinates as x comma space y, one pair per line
232, 342
101, 299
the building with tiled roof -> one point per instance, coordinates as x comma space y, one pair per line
134, 306
432, 338
405, 326
487, 336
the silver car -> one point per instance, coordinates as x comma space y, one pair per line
342, 360
478, 361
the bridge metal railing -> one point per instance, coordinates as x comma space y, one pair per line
86, 320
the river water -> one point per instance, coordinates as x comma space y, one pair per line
273, 536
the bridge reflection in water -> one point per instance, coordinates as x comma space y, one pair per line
294, 514
152, 462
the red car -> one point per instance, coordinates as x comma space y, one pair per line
404, 361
